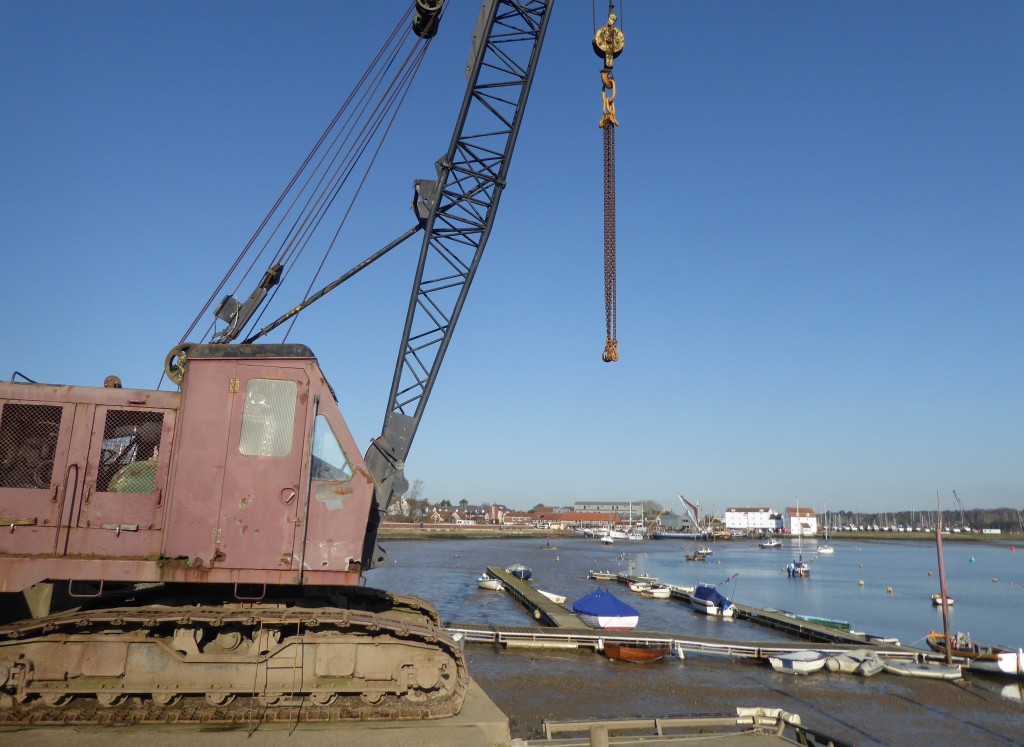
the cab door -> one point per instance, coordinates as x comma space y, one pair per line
35, 479
264, 469
120, 511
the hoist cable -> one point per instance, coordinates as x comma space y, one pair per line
384, 115
358, 189
382, 107
320, 164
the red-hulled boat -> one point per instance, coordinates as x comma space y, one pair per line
641, 652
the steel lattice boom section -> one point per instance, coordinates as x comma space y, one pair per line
472, 177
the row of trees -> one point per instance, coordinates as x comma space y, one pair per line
414, 507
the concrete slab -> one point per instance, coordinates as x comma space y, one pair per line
480, 724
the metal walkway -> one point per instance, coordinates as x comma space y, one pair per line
563, 629
592, 638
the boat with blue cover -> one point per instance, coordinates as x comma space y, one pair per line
709, 600
520, 571
602, 609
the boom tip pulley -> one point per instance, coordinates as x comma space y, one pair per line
609, 41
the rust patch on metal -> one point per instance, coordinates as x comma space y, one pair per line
333, 494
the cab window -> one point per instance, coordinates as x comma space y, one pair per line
268, 417
329, 461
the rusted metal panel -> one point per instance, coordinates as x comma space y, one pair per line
50, 457
18, 573
197, 488
259, 502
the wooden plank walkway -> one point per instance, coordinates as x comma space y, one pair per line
774, 619
543, 609
564, 629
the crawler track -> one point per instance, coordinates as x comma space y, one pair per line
235, 663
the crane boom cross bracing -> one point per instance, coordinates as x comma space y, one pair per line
462, 205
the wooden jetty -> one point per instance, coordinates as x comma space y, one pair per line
543, 609
773, 619
564, 629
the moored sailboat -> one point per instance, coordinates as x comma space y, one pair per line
994, 659
825, 548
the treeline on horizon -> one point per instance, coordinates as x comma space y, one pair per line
1006, 519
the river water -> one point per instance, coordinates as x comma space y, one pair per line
985, 580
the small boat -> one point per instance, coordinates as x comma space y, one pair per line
769, 544
636, 652
937, 600
798, 662
607, 540
486, 582
929, 670
663, 534
638, 586
709, 600
798, 568
657, 591
699, 553
825, 548
860, 661
520, 571
881, 640
869, 667
993, 659
601, 609
827, 622
556, 598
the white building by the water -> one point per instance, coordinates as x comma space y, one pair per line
801, 521
752, 520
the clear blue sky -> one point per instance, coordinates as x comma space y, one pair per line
820, 230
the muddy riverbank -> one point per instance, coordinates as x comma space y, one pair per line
883, 710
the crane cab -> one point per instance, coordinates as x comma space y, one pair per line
248, 475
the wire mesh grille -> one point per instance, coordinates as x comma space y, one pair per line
128, 457
28, 442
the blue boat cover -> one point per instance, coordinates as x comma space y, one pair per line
601, 603
708, 593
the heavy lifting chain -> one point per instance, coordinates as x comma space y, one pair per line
609, 42
611, 345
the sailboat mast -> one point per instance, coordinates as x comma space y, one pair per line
942, 583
